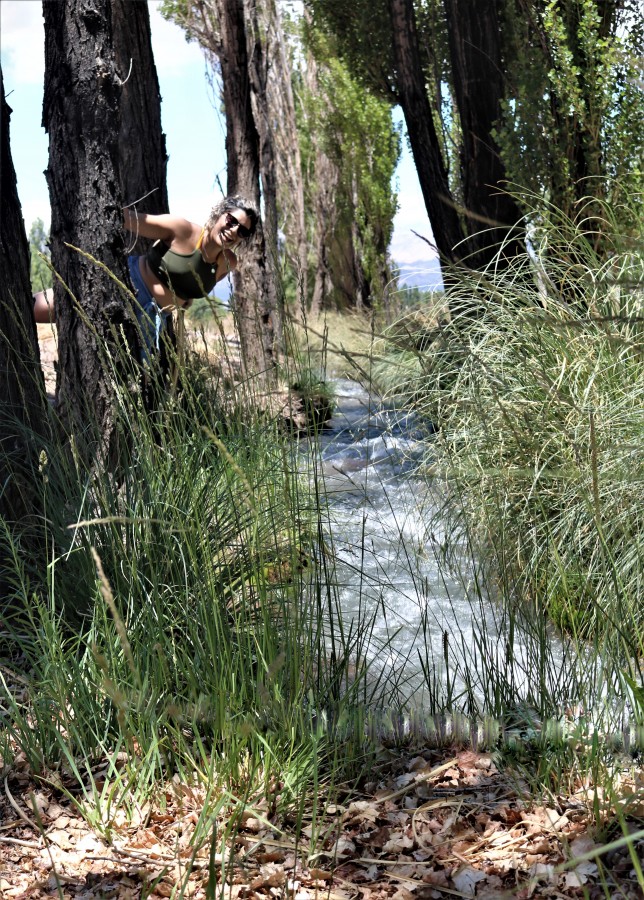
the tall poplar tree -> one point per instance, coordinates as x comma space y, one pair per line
400, 50
142, 148
102, 110
542, 95
572, 129
352, 149
143, 157
228, 33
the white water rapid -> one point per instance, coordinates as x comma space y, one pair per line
391, 571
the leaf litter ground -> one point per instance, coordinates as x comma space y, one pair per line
433, 824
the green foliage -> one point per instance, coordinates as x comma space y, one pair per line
206, 310
354, 129
41, 277
574, 111
363, 39
182, 13
169, 612
413, 297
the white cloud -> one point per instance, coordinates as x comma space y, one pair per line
23, 42
408, 249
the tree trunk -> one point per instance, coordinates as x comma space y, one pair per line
97, 332
322, 185
143, 175
288, 160
257, 26
325, 183
142, 149
23, 413
255, 294
362, 293
492, 217
257, 19
425, 147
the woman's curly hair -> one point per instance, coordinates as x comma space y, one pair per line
234, 201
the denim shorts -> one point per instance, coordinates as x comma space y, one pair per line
150, 316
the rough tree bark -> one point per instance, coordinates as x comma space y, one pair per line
143, 157
321, 186
256, 24
220, 27
255, 292
491, 215
326, 178
81, 113
362, 297
288, 159
22, 399
142, 148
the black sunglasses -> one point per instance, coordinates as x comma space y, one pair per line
242, 231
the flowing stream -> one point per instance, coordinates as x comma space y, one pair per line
434, 634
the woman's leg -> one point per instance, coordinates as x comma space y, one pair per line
44, 312
151, 319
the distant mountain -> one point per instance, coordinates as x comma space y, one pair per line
424, 274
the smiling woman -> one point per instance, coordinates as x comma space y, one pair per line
185, 262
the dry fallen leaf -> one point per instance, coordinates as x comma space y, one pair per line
467, 878
321, 874
60, 837
398, 843
268, 879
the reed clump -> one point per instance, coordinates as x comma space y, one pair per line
172, 613
535, 382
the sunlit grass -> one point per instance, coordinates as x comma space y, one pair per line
175, 612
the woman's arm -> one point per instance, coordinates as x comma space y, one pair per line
164, 227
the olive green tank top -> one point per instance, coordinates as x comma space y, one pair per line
188, 275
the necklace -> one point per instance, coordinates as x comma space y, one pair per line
210, 262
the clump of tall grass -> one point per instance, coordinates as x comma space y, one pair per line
535, 380
175, 612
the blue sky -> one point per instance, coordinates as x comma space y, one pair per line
194, 163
